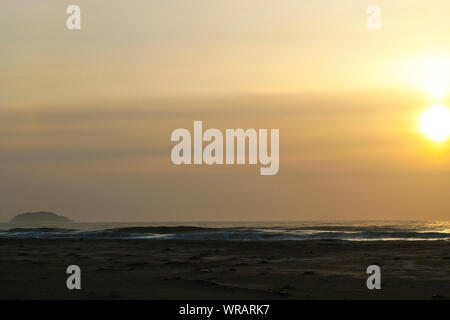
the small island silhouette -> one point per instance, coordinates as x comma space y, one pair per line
39, 217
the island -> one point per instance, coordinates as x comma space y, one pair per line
40, 217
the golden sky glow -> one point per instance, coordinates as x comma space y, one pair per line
86, 116
434, 75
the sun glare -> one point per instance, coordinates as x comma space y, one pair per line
434, 123
434, 75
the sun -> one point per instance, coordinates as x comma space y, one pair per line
434, 123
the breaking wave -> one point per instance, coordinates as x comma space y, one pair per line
261, 231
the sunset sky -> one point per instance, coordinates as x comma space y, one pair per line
86, 115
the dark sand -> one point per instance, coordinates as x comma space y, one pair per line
181, 269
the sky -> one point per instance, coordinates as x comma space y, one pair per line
86, 115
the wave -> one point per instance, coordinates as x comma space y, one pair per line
39, 230
329, 232
168, 230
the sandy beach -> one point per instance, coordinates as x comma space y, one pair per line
175, 269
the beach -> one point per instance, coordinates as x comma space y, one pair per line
221, 269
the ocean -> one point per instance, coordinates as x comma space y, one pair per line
244, 231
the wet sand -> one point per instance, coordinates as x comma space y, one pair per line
182, 269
